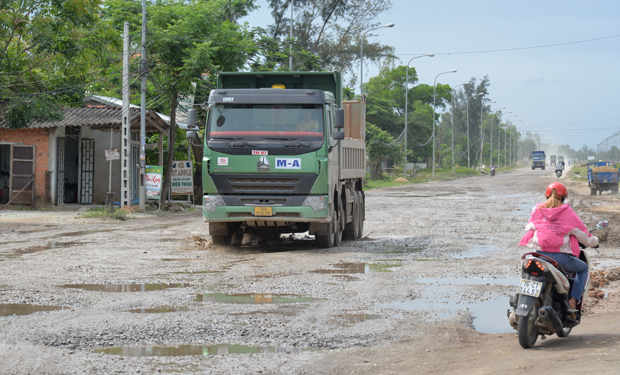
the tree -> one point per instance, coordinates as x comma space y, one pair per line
380, 145
188, 40
48, 53
331, 29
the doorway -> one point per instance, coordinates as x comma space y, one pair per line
75, 168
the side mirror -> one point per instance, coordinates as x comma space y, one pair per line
339, 118
338, 135
602, 224
191, 134
191, 119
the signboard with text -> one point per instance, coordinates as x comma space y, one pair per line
113, 154
182, 182
152, 181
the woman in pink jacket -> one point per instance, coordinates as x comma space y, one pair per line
555, 230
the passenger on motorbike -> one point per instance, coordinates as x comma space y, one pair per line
556, 231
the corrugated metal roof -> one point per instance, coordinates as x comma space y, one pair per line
102, 118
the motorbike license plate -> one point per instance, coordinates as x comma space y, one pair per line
530, 288
263, 211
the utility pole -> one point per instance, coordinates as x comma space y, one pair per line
290, 46
143, 110
125, 199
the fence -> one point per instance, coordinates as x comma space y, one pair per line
609, 149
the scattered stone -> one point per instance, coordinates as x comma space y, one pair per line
613, 275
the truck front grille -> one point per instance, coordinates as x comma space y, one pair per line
264, 184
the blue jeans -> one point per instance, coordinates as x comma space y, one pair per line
574, 265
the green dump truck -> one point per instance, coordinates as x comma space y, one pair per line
283, 154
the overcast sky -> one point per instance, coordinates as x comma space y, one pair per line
568, 91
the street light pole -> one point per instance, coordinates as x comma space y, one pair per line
452, 121
406, 102
434, 89
362, 53
468, 141
491, 137
481, 141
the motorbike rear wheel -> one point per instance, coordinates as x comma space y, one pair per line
564, 332
528, 331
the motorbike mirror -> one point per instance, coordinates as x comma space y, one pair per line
602, 224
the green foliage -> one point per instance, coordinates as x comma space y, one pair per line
49, 51
273, 54
379, 147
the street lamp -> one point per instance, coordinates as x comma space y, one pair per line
471, 96
362, 53
434, 88
452, 121
406, 102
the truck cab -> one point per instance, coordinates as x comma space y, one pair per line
282, 156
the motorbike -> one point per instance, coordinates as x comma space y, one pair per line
492, 171
540, 306
558, 171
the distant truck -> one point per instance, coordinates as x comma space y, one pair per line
560, 159
283, 154
537, 159
603, 176
552, 160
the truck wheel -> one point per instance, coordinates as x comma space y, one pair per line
532, 168
338, 227
543, 168
328, 240
361, 215
351, 230
592, 191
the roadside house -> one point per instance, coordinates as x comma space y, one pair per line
64, 162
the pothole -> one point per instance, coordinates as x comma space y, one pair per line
489, 316
25, 309
477, 251
202, 350
252, 298
353, 268
124, 287
158, 310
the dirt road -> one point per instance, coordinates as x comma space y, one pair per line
425, 291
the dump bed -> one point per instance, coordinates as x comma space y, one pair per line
603, 172
326, 81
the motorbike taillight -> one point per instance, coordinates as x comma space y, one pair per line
534, 265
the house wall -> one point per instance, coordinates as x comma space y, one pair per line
40, 139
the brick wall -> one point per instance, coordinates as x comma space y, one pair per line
40, 139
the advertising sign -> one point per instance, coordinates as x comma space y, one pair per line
182, 178
152, 181
113, 154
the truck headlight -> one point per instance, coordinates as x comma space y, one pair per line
211, 202
315, 202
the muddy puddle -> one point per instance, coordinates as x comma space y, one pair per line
353, 268
188, 350
351, 318
25, 309
158, 310
489, 316
473, 281
252, 298
39, 248
82, 233
124, 287
477, 251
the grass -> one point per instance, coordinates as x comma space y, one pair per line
99, 212
582, 176
422, 176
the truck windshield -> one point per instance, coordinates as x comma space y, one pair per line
264, 125
538, 157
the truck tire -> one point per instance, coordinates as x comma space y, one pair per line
339, 226
361, 215
543, 168
533, 168
592, 191
351, 229
325, 241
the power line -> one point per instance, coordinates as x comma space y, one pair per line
518, 48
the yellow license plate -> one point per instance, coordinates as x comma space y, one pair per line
263, 211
